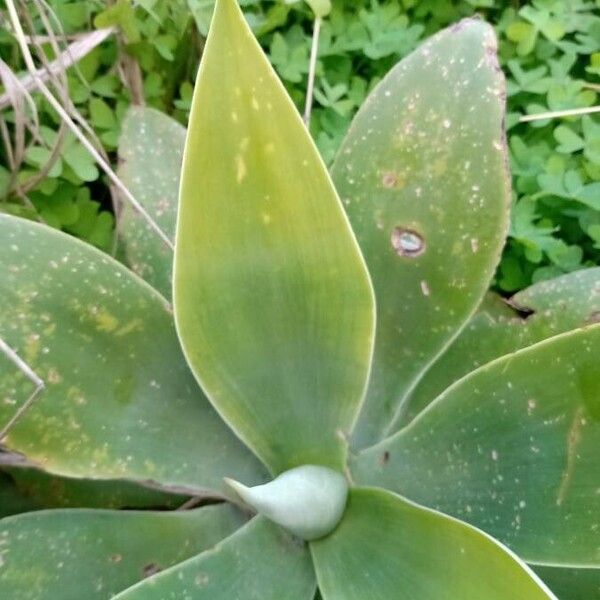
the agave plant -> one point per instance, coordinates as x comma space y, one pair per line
368, 421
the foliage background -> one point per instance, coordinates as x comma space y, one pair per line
549, 50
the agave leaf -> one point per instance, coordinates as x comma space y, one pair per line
75, 554
258, 562
386, 547
422, 173
13, 500
511, 448
545, 309
273, 302
120, 402
51, 491
571, 584
150, 154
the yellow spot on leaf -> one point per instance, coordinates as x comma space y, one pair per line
440, 166
53, 376
240, 168
50, 329
105, 321
32, 347
133, 325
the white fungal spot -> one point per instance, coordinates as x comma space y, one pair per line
407, 242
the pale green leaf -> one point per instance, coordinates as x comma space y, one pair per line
93, 554
273, 302
386, 547
120, 401
258, 562
423, 176
511, 448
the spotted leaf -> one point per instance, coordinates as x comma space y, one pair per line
500, 327
120, 401
511, 448
423, 175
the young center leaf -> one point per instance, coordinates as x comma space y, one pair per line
273, 303
423, 176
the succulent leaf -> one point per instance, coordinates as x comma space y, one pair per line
423, 176
44, 490
544, 309
571, 584
94, 554
258, 562
386, 547
308, 501
120, 401
511, 448
13, 500
273, 303
150, 155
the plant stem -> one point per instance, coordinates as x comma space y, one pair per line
311, 70
75, 129
572, 112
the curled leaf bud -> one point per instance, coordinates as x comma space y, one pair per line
308, 501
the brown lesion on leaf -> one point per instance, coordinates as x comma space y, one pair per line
384, 459
573, 441
522, 312
151, 569
594, 317
391, 180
